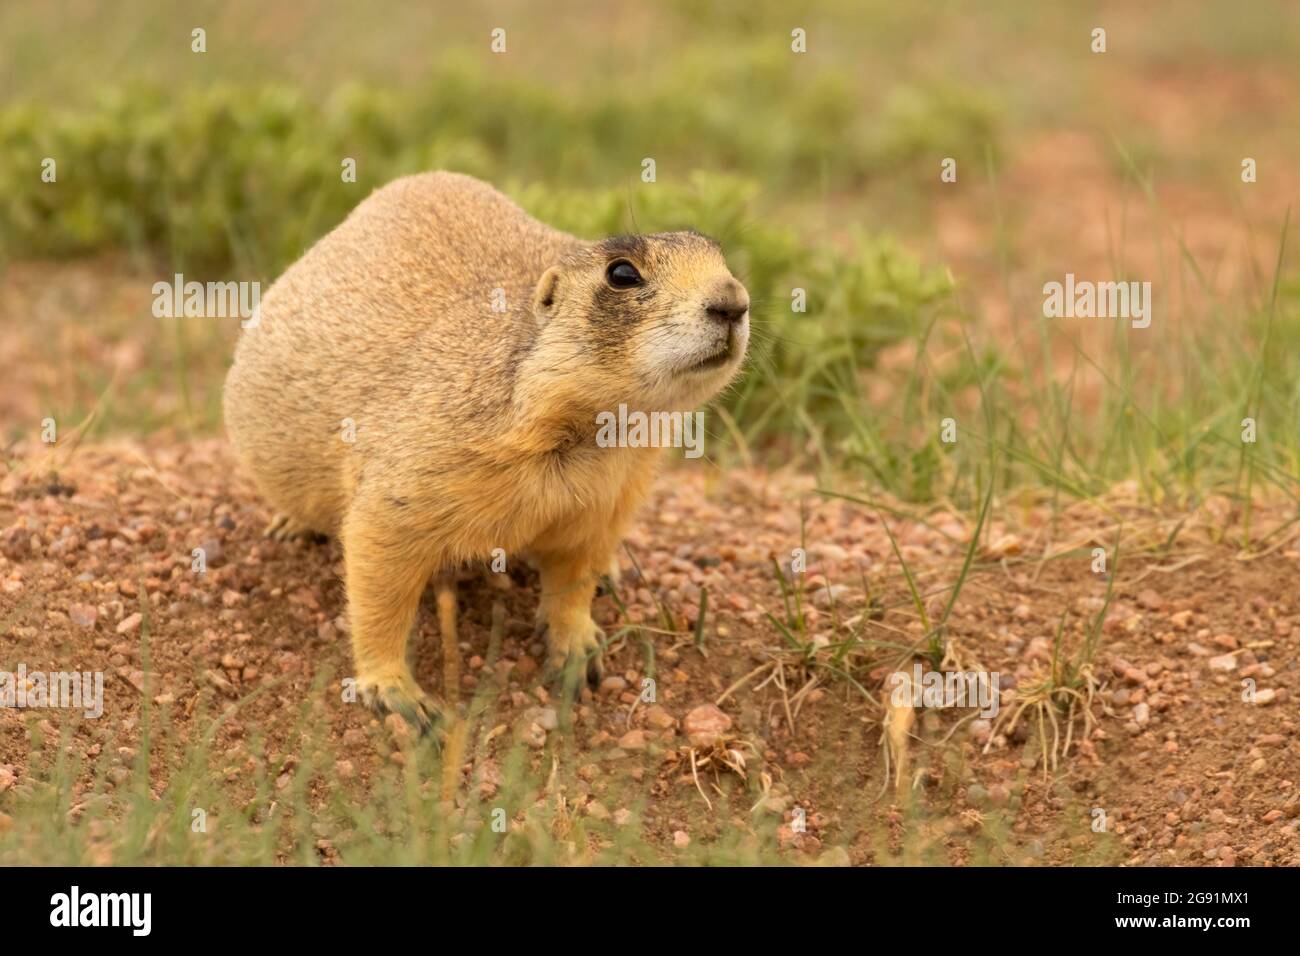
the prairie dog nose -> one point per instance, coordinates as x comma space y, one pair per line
728, 303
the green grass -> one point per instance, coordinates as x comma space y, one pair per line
176, 798
222, 178
196, 818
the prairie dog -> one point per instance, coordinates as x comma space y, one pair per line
425, 383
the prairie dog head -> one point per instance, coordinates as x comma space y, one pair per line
656, 321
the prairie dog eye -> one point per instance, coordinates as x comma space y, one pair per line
621, 274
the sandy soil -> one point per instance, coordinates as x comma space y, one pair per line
1184, 770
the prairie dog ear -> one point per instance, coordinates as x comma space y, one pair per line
544, 296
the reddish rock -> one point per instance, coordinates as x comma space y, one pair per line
705, 725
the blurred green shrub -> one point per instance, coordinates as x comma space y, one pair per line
222, 175
228, 179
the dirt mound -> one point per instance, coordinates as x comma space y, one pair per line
1175, 761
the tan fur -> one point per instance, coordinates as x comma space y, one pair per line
474, 428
